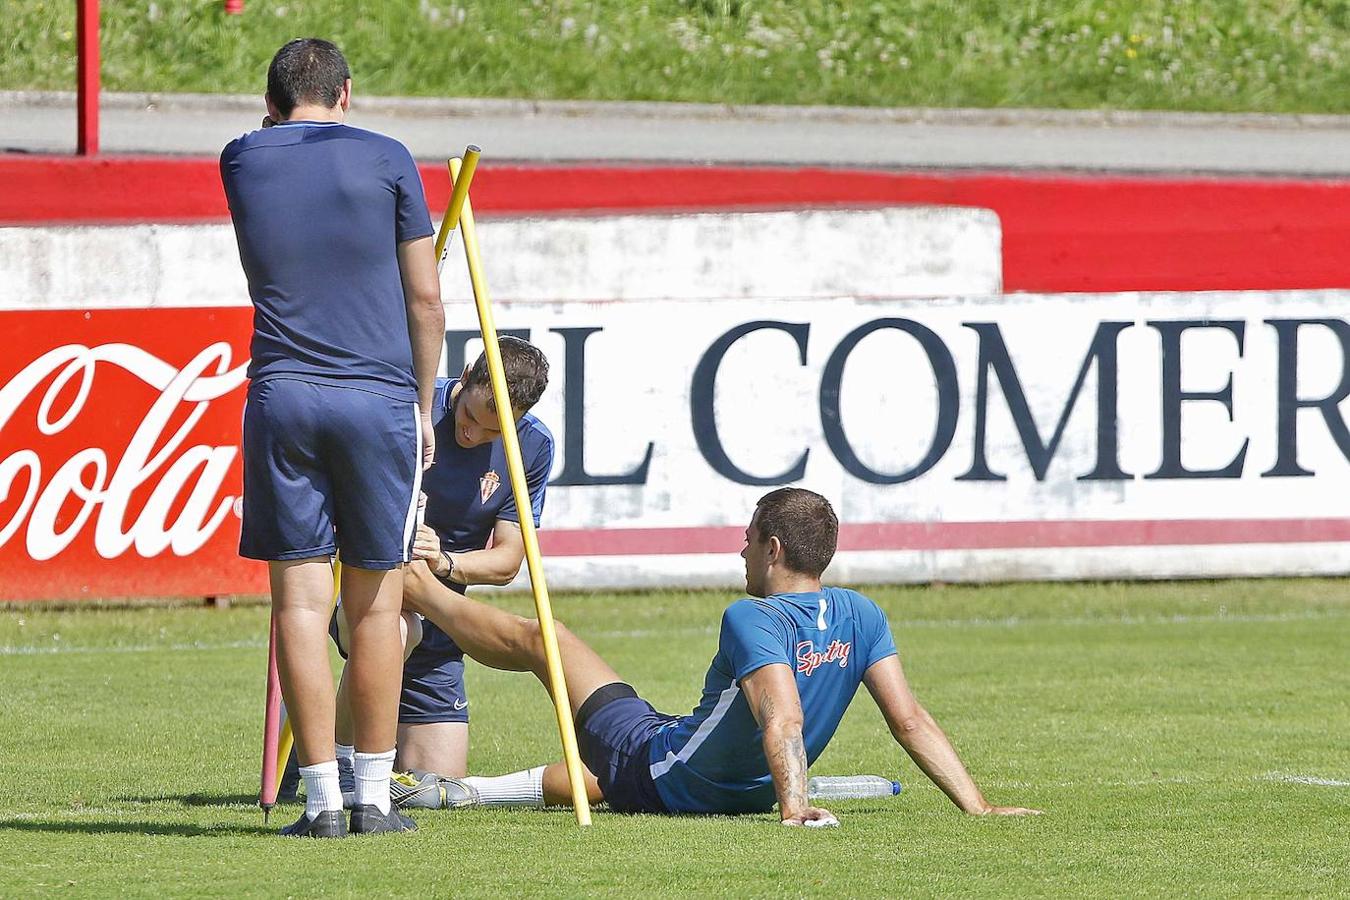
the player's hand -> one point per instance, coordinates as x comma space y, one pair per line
813, 817
426, 545
1008, 811
428, 441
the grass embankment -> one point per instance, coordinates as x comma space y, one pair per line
1183, 739
1252, 55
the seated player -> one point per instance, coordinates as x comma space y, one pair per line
471, 536
787, 666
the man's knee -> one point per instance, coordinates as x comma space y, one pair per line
526, 639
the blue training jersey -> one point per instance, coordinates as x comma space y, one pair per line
713, 760
469, 490
319, 209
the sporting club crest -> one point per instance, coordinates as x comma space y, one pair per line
488, 484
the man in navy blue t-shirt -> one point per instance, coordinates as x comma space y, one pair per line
471, 536
789, 660
336, 242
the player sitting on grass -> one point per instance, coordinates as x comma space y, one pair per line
471, 536
786, 668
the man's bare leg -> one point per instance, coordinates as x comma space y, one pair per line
301, 592
440, 747
372, 601
558, 788
410, 633
537, 787
503, 640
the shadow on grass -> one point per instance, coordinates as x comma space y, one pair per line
155, 828
221, 800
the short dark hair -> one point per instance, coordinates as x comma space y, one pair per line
804, 523
306, 70
526, 373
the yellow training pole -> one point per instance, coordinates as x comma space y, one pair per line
519, 489
460, 177
287, 739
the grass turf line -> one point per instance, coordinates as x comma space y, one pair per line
1218, 55
1157, 724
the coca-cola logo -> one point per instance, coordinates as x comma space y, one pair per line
157, 457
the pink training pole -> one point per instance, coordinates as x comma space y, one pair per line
267, 797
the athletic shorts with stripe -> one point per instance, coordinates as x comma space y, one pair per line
329, 468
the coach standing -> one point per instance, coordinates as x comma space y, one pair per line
335, 238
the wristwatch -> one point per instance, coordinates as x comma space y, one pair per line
449, 566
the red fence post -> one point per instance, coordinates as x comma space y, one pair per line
234, 7
87, 77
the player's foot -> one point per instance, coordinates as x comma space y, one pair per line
416, 790
347, 782
328, 824
368, 819
458, 794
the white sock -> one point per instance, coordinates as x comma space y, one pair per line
321, 788
525, 788
345, 751
372, 779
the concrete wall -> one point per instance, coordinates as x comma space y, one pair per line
897, 251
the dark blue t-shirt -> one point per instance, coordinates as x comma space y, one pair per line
712, 760
319, 209
469, 490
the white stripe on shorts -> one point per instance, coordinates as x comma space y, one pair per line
410, 522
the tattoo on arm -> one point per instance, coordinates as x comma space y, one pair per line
766, 710
794, 772
789, 762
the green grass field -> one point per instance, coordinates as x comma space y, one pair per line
1173, 734
1260, 55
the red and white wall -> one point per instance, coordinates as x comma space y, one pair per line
1039, 377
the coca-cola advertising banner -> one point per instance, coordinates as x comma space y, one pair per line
119, 453
1131, 435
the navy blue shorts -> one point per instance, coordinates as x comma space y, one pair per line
433, 678
614, 731
433, 681
329, 468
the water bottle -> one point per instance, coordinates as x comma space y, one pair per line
851, 787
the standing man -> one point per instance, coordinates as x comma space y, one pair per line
336, 241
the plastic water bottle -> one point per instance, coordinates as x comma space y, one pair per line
851, 787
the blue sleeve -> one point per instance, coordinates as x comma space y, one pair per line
752, 638
877, 630
413, 220
536, 479
440, 406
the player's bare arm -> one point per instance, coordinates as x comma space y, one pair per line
917, 731
497, 564
426, 327
771, 693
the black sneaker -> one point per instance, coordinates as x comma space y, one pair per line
328, 824
368, 819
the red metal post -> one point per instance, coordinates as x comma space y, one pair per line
87, 76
